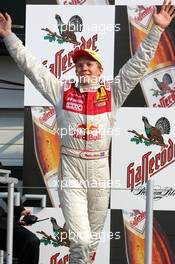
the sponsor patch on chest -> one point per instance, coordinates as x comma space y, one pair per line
98, 102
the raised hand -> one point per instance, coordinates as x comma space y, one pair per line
5, 25
165, 16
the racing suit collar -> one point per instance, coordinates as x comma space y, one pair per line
88, 88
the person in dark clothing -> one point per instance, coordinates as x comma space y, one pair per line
25, 243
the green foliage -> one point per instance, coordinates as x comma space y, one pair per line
136, 140
50, 38
157, 93
140, 140
45, 241
53, 38
148, 143
56, 244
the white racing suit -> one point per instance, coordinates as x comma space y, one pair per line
86, 116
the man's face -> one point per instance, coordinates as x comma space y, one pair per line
88, 70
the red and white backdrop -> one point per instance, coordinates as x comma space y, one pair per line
55, 53
51, 252
82, 2
115, 31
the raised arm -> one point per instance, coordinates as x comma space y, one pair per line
44, 81
133, 71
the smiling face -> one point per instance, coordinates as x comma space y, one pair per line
88, 70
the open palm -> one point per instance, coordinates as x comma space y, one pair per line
165, 16
5, 24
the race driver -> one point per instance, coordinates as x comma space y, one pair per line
86, 112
